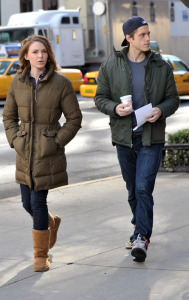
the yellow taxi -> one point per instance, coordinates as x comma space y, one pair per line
88, 88
9, 64
180, 71
8, 68
74, 75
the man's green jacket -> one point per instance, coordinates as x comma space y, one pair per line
115, 80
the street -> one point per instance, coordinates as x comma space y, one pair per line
90, 155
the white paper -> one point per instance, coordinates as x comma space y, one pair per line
140, 114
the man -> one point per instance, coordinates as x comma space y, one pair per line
138, 71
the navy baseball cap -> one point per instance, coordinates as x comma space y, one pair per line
132, 24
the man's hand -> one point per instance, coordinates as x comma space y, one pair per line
123, 109
155, 115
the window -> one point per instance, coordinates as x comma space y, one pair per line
4, 37
152, 12
26, 5
155, 46
3, 66
172, 12
15, 35
40, 32
65, 20
134, 9
14, 68
91, 38
180, 66
50, 4
75, 20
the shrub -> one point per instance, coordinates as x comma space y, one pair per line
175, 157
180, 137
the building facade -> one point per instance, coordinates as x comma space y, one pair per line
102, 22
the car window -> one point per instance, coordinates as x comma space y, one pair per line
14, 68
154, 46
180, 66
3, 66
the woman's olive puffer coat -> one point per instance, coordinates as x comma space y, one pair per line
33, 129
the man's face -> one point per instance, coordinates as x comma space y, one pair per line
141, 39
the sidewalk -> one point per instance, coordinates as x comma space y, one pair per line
89, 260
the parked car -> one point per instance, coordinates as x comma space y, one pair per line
180, 71
88, 88
155, 46
9, 67
74, 75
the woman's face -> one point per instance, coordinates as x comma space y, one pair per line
37, 56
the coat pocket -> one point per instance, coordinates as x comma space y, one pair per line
48, 147
21, 144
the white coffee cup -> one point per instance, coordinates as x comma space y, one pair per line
127, 99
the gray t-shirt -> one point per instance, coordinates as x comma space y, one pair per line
137, 71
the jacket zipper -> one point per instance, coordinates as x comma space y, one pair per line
130, 73
31, 138
35, 95
146, 87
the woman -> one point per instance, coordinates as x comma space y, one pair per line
36, 99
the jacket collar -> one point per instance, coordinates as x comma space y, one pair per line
24, 76
150, 55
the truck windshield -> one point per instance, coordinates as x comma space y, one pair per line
15, 35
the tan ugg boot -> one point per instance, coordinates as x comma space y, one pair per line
54, 223
41, 239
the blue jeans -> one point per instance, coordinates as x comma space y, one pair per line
35, 203
139, 167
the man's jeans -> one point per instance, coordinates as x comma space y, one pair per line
35, 203
139, 166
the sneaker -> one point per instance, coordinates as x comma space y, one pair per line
139, 249
129, 245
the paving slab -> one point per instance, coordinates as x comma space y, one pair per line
89, 260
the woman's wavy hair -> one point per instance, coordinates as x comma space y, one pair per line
25, 47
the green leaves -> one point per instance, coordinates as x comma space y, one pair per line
180, 137
176, 152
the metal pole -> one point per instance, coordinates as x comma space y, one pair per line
96, 32
0, 12
109, 39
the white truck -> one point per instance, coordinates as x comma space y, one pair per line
62, 27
